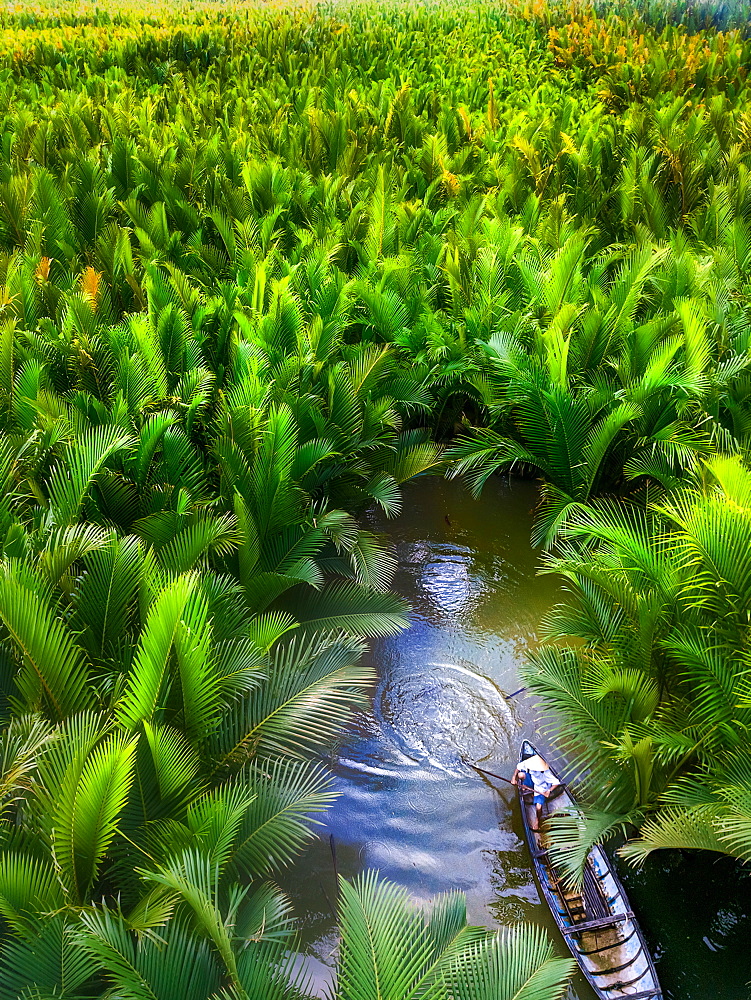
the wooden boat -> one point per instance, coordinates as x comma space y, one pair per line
596, 921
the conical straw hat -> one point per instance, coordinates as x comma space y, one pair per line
535, 763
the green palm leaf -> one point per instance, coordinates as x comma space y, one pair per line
314, 683
175, 965
106, 596
373, 565
49, 960
83, 460
278, 823
194, 880
514, 965
386, 950
28, 886
697, 828
572, 835
166, 631
53, 673
22, 745
176, 763
390, 950
88, 806
272, 970
63, 548
353, 609
208, 535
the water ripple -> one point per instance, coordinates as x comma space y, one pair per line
445, 714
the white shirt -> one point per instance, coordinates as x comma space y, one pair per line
543, 781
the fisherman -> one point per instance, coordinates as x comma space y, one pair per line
535, 776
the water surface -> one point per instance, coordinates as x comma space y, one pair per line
409, 805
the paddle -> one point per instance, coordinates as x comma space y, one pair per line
491, 774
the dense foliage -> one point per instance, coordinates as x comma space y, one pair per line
258, 268
655, 691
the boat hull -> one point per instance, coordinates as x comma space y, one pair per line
596, 921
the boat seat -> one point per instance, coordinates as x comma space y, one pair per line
590, 925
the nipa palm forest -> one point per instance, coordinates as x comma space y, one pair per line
260, 265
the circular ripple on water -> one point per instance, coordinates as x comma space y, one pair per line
445, 714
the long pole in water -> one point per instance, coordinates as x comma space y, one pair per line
332, 845
491, 774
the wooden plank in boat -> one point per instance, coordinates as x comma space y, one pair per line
590, 925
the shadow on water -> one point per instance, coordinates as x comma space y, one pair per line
410, 807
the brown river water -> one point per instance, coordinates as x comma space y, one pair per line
409, 805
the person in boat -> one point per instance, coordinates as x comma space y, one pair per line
535, 778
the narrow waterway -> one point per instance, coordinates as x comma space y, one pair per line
410, 807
